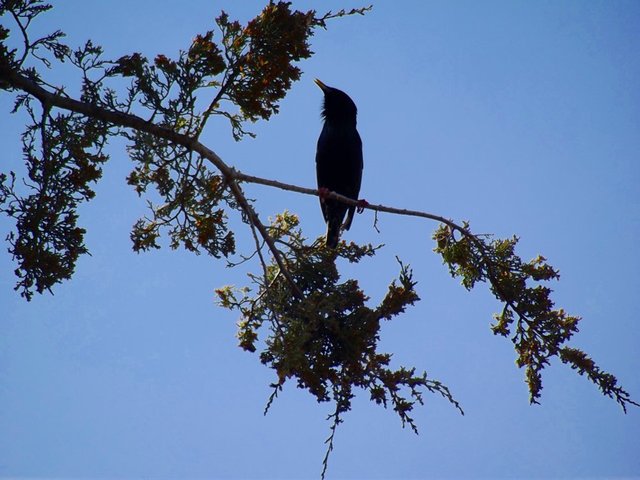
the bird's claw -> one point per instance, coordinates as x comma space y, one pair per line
361, 205
323, 193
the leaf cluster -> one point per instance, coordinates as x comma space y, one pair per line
537, 330
327, 340
244, 75
64, 156
262, 56
23, 13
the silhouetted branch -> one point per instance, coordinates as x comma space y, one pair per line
21, 82
231, 174
487, 267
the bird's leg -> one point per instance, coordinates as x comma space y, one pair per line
361, 205
323, 193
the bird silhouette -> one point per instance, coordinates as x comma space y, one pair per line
338, 160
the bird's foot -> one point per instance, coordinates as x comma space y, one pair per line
361, 205
323, 193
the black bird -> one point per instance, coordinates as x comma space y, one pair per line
338, 160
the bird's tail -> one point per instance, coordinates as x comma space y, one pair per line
347, 223
333, 232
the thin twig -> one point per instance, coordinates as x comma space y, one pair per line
259, 252
25, 38
329, 441
375, 222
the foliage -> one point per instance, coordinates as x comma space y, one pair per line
251, 68
538, 331
328, 339
310, 326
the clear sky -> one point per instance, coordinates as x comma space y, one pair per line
522, 117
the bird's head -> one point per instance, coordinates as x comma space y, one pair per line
337, 106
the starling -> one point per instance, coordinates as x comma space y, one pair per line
338, 160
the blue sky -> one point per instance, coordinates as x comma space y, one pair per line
521, 117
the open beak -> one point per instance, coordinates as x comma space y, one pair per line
322, 86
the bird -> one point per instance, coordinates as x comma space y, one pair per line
339, 160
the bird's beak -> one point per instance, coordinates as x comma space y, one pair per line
322, 86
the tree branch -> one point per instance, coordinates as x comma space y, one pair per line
21, 82
232, 175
